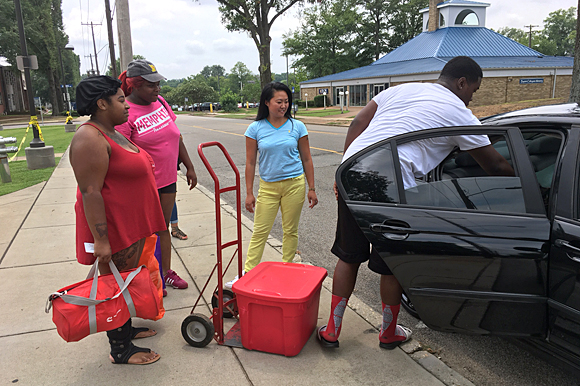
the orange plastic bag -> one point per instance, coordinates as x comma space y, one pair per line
148, 259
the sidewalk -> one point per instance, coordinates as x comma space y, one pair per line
37, 257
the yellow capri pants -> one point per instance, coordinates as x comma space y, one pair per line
288, 195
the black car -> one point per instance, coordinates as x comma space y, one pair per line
477, 253
204, 106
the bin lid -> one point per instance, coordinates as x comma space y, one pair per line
280, 282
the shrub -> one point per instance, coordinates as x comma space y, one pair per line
300, 103
319, 100
229, 102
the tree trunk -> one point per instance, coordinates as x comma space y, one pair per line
56, 106
575, 89
265, 68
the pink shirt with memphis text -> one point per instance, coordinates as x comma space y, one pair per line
153, 129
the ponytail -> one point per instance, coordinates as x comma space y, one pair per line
129, 84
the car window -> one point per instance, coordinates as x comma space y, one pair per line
462, 184
543, 149
371, 177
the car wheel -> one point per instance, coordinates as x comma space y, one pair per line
408, 306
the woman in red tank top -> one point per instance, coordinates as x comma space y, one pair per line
117, 203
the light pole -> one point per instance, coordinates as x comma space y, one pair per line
346, 99
68, 105
306, 95
324, 93
341, 93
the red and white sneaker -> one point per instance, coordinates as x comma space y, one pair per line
175, 281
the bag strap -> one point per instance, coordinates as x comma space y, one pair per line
91, 302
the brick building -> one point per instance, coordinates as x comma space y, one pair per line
511, 72
12, 94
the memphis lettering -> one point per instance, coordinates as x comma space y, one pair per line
153, 122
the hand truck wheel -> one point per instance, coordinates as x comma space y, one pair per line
197, 330
228, 295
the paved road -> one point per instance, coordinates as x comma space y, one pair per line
481, 359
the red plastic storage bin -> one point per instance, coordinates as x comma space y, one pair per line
278, 306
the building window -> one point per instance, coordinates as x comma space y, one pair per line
467, 17
441, 20
358, 95
375, 89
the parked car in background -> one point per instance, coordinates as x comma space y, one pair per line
204, 106
483, 254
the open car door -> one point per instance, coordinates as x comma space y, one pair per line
470, 251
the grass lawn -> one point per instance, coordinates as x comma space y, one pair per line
317, 113
23, 178
53, 136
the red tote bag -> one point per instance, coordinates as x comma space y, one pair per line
103, 303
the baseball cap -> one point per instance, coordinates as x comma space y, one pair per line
145, 69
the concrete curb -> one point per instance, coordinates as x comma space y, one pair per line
413, 348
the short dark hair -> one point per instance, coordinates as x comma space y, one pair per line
267, 94
462, 67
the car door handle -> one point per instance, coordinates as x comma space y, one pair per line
383, 228
566, 244
397, 232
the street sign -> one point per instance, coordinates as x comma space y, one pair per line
68, 85
293, 90
186, 99
29, 61
531, 80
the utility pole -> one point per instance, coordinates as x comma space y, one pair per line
287, 84
36, 141
111, 41
94, 45
92, 72
124, 31
530, 27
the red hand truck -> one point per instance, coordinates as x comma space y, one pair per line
197, 329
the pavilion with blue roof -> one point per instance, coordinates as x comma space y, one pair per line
512, 72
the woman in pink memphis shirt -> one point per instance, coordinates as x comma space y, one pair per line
151, 126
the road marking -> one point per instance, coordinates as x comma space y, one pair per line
219, 131
241, 135
331, 151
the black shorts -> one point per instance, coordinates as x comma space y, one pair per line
171, 188
351, 245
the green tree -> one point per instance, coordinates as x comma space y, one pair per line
560, 28
255, 18
214, 75
229, 101
194, 90
324, 41
239, 75
44, 35
405, 21
557, 38
375, 27
252, 90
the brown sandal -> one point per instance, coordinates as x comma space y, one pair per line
178, 234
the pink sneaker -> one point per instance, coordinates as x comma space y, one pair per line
175, 281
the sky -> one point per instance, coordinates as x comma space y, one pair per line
181, 37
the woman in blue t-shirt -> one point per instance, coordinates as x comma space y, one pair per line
284, 161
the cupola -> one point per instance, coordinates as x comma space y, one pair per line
453, 13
